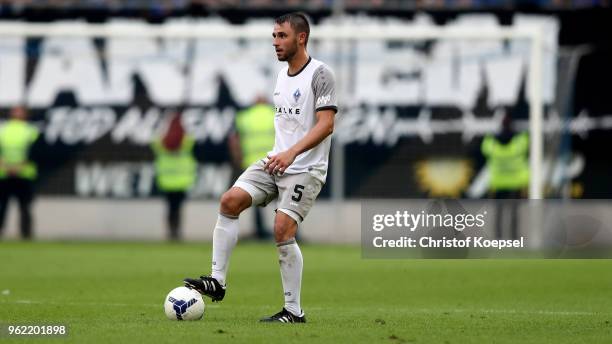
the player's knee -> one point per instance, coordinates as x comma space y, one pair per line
232, 203
281, 234
284, 229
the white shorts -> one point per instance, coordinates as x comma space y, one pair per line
296, 193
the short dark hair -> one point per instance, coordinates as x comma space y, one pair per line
298, 21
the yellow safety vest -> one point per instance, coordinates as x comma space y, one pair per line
175, 170
16, 138
508, 163
255, 127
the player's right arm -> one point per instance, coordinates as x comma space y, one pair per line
322, 129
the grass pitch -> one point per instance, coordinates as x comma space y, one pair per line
113, 293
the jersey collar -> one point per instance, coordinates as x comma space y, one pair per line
301, 69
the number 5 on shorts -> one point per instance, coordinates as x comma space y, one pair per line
298, 192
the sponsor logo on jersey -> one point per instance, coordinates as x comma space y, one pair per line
287, 110
323, 99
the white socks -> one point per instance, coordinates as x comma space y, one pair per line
225, 237
291, 263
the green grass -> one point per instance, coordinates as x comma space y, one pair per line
113, 293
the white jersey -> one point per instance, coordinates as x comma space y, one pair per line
297, 98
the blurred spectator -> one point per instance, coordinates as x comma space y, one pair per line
175, 169
508, 164
251, 140
17, 170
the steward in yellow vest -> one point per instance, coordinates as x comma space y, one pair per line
508, 162
507, 157
175, 170
17, 171
252, 139
255, 129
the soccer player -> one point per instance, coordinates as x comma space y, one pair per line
293, 172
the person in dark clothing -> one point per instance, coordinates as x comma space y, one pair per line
17, 171
175, 169
507, 160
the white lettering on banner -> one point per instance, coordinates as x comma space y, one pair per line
386, 127
357, 125
433, 73
213, 180
78, 125
12, 70
67, 64
86, 125
247, 69
116, 179
145, 181
94, 180
212, 124
136, 128
160, 71
124, 180
388, 75
453, 72
462, 68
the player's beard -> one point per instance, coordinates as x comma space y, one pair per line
289, 52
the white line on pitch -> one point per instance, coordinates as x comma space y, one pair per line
27, 302
418, 310
505, 311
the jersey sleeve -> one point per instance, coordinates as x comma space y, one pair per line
324, 89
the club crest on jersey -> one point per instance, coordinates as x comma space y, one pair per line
296, 95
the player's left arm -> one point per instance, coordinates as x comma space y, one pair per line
324, 90
322, 129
